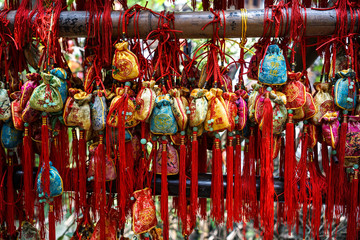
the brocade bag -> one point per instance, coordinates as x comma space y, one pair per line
230, 106
162, 120
46, 97
172, 159
295, 91
33, 80
30, 115
62, 75
145, 101
10, 137
252, 100
272, 69
345, 90
56, 183
5, 109
254, 63
278, 101
242, 110
125, 64
29, 232
178, 109
323, 101
110, 169
217, 118
130, 120
330, 128
352, 149
16, 111
198, 107
98, 111
111, 230
144, 212
308, 110
77, 109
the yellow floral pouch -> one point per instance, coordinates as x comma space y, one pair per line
217, 118
178, 108
125, 64
145, 101
323, 101
198, 107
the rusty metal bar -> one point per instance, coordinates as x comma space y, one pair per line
318, 23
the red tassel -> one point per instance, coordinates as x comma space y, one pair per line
10, 210
194, 179
52, 233
82, 170
75, 161
237, 182
217, 187
290, 164
164, 192
267, 168
352, 232
339, 198
182, 183
100, 185
28, 174
230, 184
45, 155
203, 169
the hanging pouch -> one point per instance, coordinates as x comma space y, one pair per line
77, 109
125, 64
230, 106
272, 69
278, 101
16, 111
29, 232
98, 111
254, 63
130, 120
5, 108
345, 90
110, 169
145, 101
217, 118
308, 110
172, 159
330, 128
33, 80
178, 109
295, 91
198, 107
162, 120
30, 115
56, 183
46, 97
144, 212
10, 137
242, 110
62, 75
323, 101
252, 100
352, 150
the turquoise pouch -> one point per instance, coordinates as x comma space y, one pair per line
162, 120
56, 183
272, 69
345, 90
10, 137
62, 75
98, 113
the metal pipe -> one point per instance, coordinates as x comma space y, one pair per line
318, 23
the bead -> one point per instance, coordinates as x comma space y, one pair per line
351, 87
50, 163
276, 117
212, 120
132, 198
268, 89
217, 135
47, 101
247, 140
230, 134
236, 121
143, 141
352, 83
154, 138
26, 124
128, 84
305, 122
345, 111
51, 199
130, 113
188, 112
187, 108
163, 137
101, 132
253, 110
237, 117
45, 106
333, 152
290, 111
209, 121
211, 129
356, 166
195, 129
182, 133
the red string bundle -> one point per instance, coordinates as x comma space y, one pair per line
230, 184
182, 183
164, 192
203, 169
267, 168
352, 232
10, 211
52, 233
194, 178
28, 159
217, 187
75, 177
339, 199
290, 164
100, 184
237, 181
82, 169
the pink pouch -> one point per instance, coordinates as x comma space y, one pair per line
242, 109
231, 108
110, 169
172, 159
30, 115
352, 149
28, 88
330, 128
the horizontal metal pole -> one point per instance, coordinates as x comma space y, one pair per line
204, 183
318, 23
